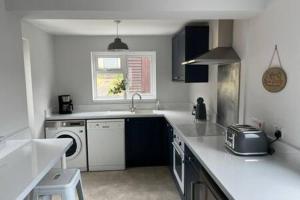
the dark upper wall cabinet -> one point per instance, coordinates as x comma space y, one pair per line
187, 44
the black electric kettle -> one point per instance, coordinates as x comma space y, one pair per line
200, 109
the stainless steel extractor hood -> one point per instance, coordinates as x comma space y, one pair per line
219, 55
224, 53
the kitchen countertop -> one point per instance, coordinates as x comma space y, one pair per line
183, 121
23, 168
104, 115
275, 177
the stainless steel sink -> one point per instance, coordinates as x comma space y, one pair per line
143, 111
119, 112
127, 112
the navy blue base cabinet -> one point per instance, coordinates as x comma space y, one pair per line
198, 184
169, 149
145, 142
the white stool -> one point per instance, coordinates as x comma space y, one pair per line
62, 182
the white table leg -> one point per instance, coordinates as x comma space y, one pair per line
63, 162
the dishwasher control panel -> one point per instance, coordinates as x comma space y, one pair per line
105, 124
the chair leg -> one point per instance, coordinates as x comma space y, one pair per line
79, 190
69, 194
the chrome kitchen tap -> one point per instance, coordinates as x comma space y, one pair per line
132, 107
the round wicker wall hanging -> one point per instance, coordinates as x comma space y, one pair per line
274, 78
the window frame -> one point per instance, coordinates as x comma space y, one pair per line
124, 68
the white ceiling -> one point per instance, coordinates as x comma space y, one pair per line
108, 27
143, 17
138, 6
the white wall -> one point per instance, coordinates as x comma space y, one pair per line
277, 25
240, 44
13, 111
73, 65
42, 72
208, 90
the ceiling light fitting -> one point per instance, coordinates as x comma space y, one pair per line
117, 44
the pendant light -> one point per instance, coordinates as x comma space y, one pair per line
117, 44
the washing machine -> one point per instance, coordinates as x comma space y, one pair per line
74, 129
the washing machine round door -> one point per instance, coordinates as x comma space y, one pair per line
75, 148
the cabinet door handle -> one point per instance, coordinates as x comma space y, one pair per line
193, 187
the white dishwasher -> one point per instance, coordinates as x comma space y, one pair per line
106, 144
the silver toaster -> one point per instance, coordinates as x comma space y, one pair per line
246, 140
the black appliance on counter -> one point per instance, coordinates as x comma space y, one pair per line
65, 104
246, 140
200, 109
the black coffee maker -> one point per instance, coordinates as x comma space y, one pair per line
65, 104
200, 109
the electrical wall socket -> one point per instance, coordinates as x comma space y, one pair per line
277, 127
257, 123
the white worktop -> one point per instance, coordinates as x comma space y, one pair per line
23, 168
181, 120
103, 115
275, 177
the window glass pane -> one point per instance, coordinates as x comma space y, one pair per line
109, 85
111, 73
109, 63
139, 74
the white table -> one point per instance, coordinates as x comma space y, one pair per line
22, 169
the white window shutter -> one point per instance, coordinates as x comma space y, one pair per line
138, 74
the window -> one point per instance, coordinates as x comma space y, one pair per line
117, 75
